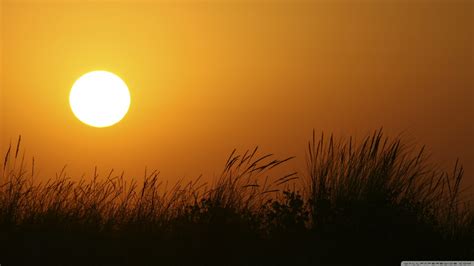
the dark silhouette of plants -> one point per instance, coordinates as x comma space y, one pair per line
290, 214
375, 200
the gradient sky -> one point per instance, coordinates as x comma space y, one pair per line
209, 76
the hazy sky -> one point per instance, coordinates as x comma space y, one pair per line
209, 76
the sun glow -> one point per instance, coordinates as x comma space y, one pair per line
99, 99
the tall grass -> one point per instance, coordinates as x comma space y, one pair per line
377, 200
385, 173
388, 194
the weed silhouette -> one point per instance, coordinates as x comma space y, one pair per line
377, 201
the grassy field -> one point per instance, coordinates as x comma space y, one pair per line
371, 202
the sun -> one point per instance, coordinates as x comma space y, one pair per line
99, 99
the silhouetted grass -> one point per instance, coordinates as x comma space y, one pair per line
374, 202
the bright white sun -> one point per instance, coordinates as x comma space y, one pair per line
99, 99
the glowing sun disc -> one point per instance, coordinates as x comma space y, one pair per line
99, 99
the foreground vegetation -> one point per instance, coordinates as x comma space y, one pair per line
374, 202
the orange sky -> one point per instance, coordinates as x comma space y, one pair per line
208, 76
